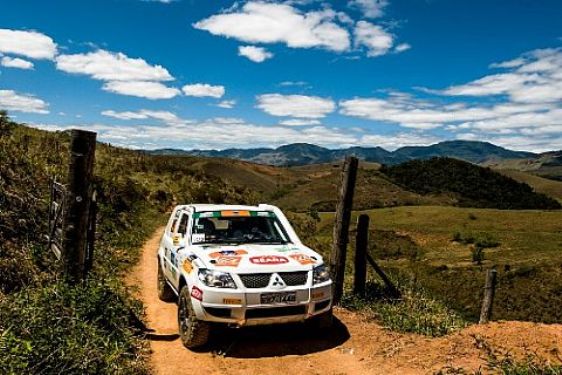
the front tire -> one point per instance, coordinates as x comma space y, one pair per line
194, 333
165, 292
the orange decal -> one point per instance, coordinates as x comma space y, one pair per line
235, 213
303, 259
187, 266
227, 253
228, 261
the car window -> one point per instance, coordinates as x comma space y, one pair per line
182, 226
243, 227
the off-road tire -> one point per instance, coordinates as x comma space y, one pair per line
165, 292
194, 333
323, 321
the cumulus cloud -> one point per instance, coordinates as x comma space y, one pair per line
402, 47
255, 54
142, 89
227, 104
12, 101
535, 77
111, 66
374, 38
263, 22
299, 122
299, 106
11, 62
31, 44
370, 8
203, 89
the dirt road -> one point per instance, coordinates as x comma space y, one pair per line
354, 346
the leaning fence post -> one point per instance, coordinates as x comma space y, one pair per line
489, 291
77, 204
341, 228
361, 244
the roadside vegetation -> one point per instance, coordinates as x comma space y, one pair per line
45, 325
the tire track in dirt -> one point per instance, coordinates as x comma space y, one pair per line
354, 346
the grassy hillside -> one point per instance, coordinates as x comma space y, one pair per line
472, 185
429, 245
539, 184
46, 326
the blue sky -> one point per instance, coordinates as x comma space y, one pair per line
219, 74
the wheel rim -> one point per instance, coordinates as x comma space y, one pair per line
183, 315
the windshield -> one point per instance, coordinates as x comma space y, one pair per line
238, 228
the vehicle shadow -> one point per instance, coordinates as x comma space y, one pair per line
277, 340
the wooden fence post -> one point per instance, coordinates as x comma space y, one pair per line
489, 291
341, 227
77, 204
361, 245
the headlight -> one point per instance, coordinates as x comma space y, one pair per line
321, 274
216, 279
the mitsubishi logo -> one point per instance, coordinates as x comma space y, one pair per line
277, 282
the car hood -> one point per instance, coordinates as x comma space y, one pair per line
254, 258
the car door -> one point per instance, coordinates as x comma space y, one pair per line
178, 241
167, 242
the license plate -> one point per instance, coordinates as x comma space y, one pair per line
272, 298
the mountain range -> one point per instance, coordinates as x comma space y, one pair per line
304, 153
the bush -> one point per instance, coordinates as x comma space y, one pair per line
415, 312
62, 329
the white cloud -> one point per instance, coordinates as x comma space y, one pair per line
293, 83
535, 77
142, 89
110, 66
11, 62
30, 44
12, 101
255, 54
370, 8
227, 120
374, 38
299, 122
227, 104
299, 106
164, 116
203, 89
402, 47
263, 22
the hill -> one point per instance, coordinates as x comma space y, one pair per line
474, 186
547, 165
303, 153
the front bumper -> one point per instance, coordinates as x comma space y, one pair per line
243, 308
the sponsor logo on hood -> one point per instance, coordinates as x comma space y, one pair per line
269, 259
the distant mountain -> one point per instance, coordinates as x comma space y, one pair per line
304, 153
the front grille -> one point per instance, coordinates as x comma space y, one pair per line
294, 278
275, 311
255, 280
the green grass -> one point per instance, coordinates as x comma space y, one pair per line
525, 246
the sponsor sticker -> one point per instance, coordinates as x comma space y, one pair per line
317, 295
303, 259
198, 237
234, 213
232, 301
197, 293
187, 266
269, 259
176, 240
228, 261
228, 258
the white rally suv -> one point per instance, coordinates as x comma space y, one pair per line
239, 265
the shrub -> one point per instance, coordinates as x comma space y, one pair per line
415, 312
